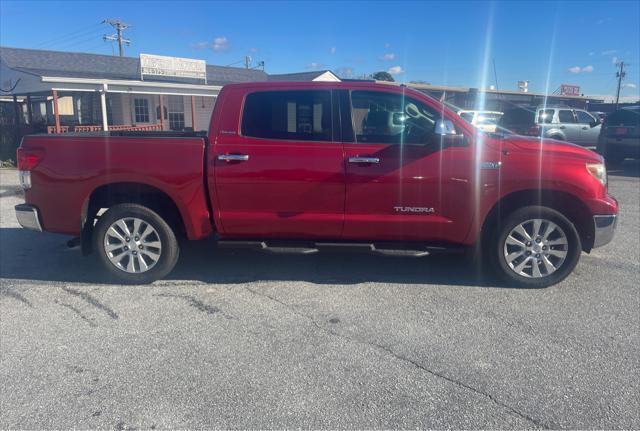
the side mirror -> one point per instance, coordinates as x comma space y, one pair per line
595, 123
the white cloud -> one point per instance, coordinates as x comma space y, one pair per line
387, 57
395, 70
314, 66
345, 72
578, 69
387, 45
629, 85
332, 50
591, 54
614, 60
254, 50
200, 45
220, 43
609, 52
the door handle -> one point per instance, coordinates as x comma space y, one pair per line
585, 128
562, 127
367, 160
233, 157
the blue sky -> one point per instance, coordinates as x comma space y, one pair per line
446, 43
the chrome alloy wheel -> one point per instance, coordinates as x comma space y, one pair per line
536, 248
132, 245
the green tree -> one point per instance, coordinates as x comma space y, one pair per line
383, 76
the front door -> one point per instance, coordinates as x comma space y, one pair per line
404, 182
282, 174
589, 128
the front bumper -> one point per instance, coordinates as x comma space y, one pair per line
28, 217
605, 226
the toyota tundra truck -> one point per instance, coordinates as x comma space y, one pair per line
306, 167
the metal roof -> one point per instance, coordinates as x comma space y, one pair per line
82, 65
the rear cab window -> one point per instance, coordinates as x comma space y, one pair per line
545, 116
298, 115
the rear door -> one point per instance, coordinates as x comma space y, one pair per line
568, 125
279, 169
403, 184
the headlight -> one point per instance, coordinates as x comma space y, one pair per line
599, 171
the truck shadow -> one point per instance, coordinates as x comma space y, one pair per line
45, 257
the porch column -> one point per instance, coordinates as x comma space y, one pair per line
193, 112
29, 110
103, 107
16, 110
56, 112
161, 113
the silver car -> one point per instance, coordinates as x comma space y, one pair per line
567, 124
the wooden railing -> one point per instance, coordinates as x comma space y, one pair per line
97, 128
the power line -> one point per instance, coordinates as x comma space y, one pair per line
120, 27
76, 33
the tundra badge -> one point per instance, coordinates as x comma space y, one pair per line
415, 210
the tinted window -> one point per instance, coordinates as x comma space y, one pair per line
584, 118
624, 117
566, 116
293, 115
545, 116
391, 118
517, 117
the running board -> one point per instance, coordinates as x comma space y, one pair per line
309, 247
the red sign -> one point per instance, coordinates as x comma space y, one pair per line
570, 90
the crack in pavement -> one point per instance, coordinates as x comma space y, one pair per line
77, 312
416, 364
91, 301
9, 292
195, 303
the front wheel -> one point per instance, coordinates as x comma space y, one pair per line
536, 247
135, 244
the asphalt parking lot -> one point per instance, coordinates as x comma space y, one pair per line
239, 339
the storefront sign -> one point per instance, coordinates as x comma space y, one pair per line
570, 90
158, 65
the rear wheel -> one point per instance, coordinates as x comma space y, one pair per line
536, 247
135, 244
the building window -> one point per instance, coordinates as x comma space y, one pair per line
141, 108
176, 112
295, 115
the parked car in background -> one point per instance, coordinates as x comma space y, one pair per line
620, 135
483, 120
564, 124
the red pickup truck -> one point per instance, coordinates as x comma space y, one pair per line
302, 167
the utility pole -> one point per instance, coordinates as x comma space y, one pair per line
119, 26
247, 61
620, 75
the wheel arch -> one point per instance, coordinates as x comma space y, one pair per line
108, 195
567, 204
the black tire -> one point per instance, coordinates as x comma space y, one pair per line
495, 247
169, 253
